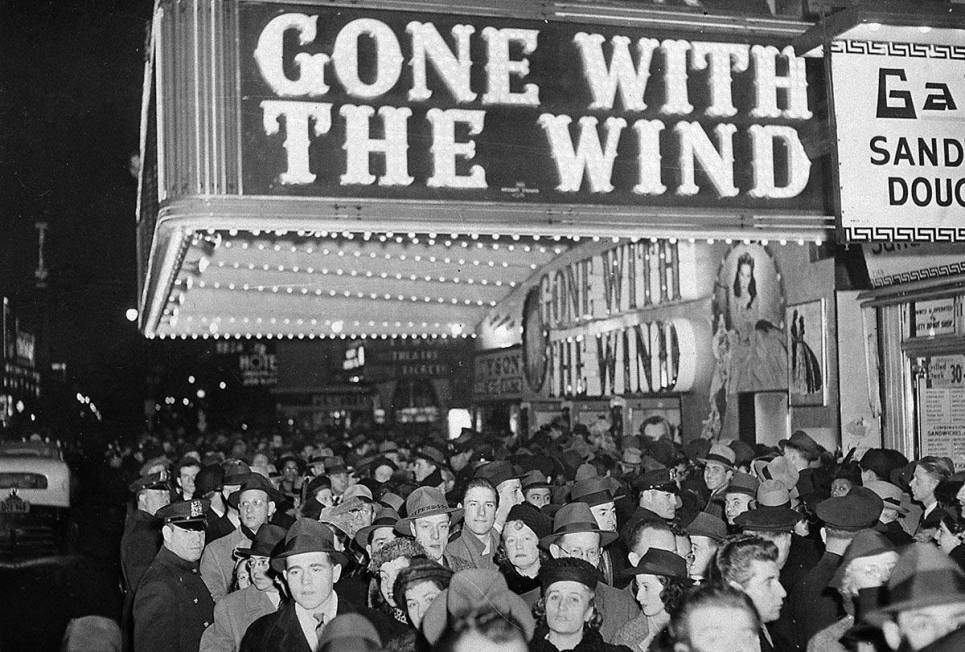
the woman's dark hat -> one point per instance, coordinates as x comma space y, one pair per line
266, 539
306, 536
418, 571
660, 562
568, 569
573, 518
533, 518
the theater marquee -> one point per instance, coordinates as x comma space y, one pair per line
341, 102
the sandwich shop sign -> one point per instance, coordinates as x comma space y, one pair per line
356, 102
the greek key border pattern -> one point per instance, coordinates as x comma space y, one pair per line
919, 274
904, 233
898, 49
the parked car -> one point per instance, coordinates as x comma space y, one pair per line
35, 493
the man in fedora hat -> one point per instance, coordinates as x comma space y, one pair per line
740, 495
172, 606
255, 501
892, 498
576, 534
718, 471
310, 565
597, 493
239, 609
428, 519
804, 454
373, 537
926, 600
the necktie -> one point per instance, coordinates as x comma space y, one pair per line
320, 617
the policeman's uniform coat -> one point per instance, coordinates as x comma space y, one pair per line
232, 616
172, 606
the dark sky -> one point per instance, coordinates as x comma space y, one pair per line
70, 90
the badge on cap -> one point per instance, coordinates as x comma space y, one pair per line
197, 508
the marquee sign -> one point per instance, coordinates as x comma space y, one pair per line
356, 102
900, 108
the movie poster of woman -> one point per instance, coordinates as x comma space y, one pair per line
749, 342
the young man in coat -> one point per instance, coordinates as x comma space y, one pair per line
239, 609
311, 566
172, 606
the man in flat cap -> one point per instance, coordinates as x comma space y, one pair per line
172, 606
813, 603
255, 501
659, 494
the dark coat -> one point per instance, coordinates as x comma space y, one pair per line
281, 631
592, 642
814, 604
218, 526
895, 533
139, 545
172, 606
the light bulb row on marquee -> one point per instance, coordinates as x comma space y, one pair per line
319, 292
310, 336
455, 239
324, 271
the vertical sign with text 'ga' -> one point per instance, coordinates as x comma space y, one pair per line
900, 113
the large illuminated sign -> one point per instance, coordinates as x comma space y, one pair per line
340, 102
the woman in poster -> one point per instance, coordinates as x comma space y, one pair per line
806, 375
758, 353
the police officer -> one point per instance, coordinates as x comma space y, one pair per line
141, 539
172, 605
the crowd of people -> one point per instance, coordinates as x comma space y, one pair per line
567, 540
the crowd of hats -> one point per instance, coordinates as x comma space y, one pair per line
581, 472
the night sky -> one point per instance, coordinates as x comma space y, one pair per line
70, 91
